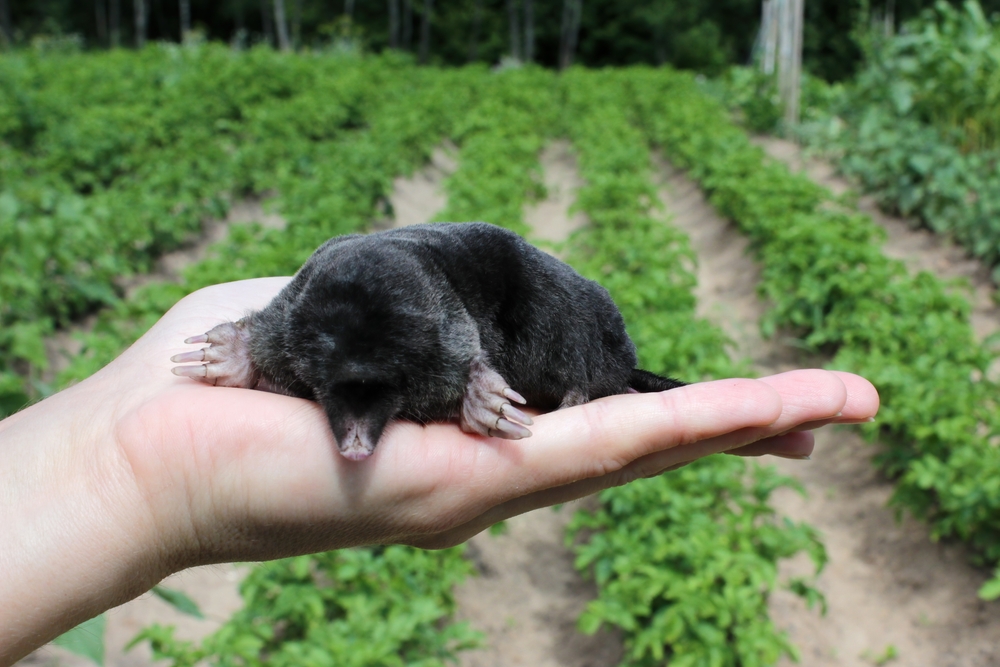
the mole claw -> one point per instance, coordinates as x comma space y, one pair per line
510, 430
508, 410
193, 355
202, 338
195, 372
513, 395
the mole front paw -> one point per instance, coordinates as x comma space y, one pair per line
486, 406
227, 357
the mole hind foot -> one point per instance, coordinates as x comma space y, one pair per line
227, 357
486, 406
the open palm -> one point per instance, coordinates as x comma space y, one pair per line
236, 474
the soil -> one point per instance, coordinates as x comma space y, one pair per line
528, 595
887, 585
64, 345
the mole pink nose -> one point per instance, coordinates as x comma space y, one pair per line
356, 450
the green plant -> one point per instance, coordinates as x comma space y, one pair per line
828, 282
685, 561
918, 126
372, 607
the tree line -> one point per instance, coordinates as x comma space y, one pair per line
554, 33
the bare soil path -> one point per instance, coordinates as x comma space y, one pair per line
528, 595
887, 584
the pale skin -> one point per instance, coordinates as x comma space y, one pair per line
134, 474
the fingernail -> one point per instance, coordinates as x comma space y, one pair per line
794, 457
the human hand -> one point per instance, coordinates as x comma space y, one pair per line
135, 473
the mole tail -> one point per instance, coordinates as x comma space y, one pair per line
645, 382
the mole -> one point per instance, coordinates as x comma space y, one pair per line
432, 322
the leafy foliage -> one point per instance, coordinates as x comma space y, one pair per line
685, 561
178, 600
943, 69
108, 161
372, 607
500, 139
827, 280
919, 126
86, 639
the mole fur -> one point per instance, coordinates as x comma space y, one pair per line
430, 322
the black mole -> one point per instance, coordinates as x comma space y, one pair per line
429, 323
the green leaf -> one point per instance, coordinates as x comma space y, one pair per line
86, 639
991, 589
178, 600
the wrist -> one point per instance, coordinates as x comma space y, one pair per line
79, 538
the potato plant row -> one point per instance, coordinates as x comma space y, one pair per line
109, 160
685, 561
726, 539
501, 137
828, 282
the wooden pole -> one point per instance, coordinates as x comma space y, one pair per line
477, 24
572, 9
425, 31
796, 12
282, 25
781, 37
141, 22
393, 24
529, 31
114, 23
514, 30
185, 7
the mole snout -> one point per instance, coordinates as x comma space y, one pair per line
438, 322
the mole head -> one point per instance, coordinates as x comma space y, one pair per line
358, 413
361, 349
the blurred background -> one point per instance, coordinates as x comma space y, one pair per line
705, 36
761, 185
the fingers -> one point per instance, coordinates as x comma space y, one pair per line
794, 445
860, 406
641, 436
862, 399
605, 436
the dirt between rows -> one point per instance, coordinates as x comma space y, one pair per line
891, 591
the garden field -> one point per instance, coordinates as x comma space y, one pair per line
111, 161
